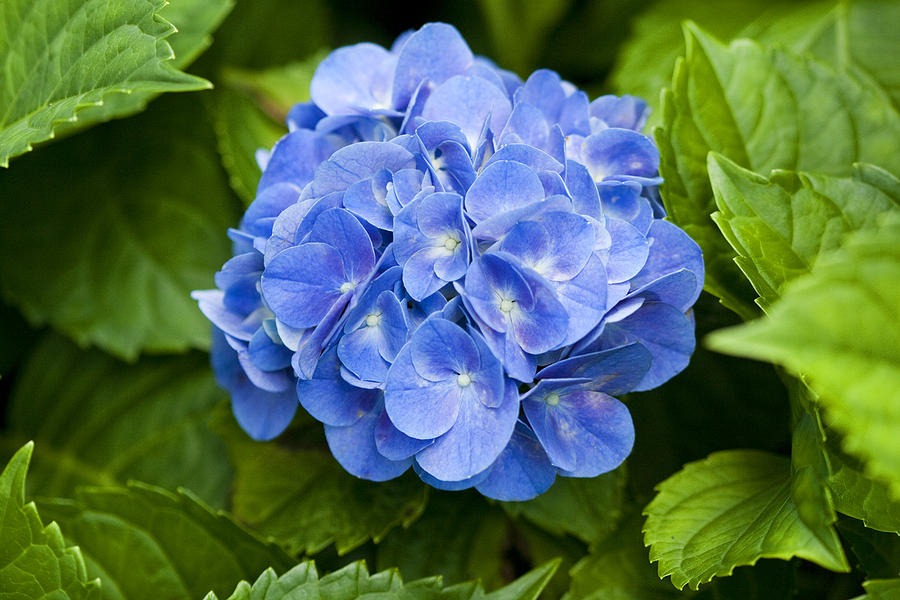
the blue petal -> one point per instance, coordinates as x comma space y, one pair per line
354, 447
526, 125
302, 283
583, 190
263, 415
628, 252
502, 186
543, 90
435, 52
450, 486
357, 162
441, 350
475, 440
353, 78
613, 152
392, 443
584, 298
627, 112
496, 227
330, 399
341, 230
468, 102
212, 305
574, 117
585, 433
269, 203
266, 354
487, 382
358, 351
671, 253
543, 327
304, 115
361, 200
521, 472
295, 158
418, 407
419, 278
616, 371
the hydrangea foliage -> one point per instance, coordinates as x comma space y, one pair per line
455, 271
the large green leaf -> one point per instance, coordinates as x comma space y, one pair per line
728, 510
881, 589
763, 110
34, 559
354, 581
59, 57
779, 226
145, 542
145, 421
109, 247
589, 509
858, 495
459, 535
293, 490
840, 326
877, 554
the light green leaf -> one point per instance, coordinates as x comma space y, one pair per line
100, 422
459, 535
763, 110
109, 248
354, 581
293, 490
34, 559
858, 495
779, 226
840, 327
60, 57
276, 89
731, 509
881, 589
589, 509
145, 542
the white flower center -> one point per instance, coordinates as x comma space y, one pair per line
347, 287
373, 320
463, 379
506, 305
450, 242
552, 399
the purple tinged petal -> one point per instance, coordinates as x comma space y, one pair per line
521, 472
341, 230
308, 352
526, 125
487, 382
496, 227
544, 326
295, 159
435, 52
475, 440
616, 371
393, 326
350, 79
360, 199
266, 354
502, 186
581, 186
491, 282
354, 447
358, 351
628, 252
671, 251
528, 241
439, 214
584, 298
419, 277
212, 305
269, 203
527, 155
270, 381
468, 102
331, 400
442, 350
420, 408
627, 112
614, 152
574, 117
543, 90
392, 443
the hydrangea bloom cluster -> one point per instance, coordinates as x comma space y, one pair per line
455, 271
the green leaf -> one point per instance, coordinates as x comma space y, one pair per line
109, 247
762, 110
145, 542
242, 129
145, 421
858, 495
249, 112
779, 226
840, 327
59, 58
34, 560
293, 490
881, 589
516, 48
877, 554
354, 581
731, 509
589, 509
459, 535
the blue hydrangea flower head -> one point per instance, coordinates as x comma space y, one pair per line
456, 272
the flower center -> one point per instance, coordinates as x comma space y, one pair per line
373, 320
463, 379
552, 399
506, 305
347, 287
450, 243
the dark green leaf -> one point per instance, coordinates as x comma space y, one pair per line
881, 589
109, 247
59, 58
354, 581
516, 47
840, 326
293, 490
34, 559
728, 510
459, 535
98, 421
145, 542
586, 508
877, 553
